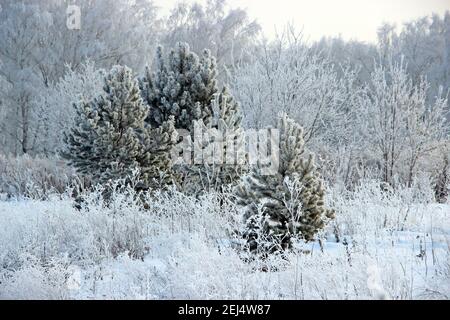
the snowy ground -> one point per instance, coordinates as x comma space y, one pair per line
390, 246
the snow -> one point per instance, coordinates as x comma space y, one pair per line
181, 248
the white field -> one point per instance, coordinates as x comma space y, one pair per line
391, 247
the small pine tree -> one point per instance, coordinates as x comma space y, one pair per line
184, 86
111, 138
286, 204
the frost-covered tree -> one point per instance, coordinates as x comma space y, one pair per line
285, 75
184, 86
398, 123
442, 176
412, 70
36, 45
424, 45
56, 104
23, 28
154, 158
228, 33
111, 138
287, 204
215, 142
359, 55
4, 88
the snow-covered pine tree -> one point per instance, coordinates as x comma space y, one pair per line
289, 203
221, 136
156, 167
184, 86
111, 138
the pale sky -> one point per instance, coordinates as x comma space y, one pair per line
352, 19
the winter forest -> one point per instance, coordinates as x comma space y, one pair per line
187, 155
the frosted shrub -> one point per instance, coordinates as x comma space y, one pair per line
34, 177
34, 280
372, 209
100, 230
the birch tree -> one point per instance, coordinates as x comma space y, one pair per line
400, 124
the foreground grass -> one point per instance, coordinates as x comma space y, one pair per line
381, 246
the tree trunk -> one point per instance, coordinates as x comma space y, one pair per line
24, 142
